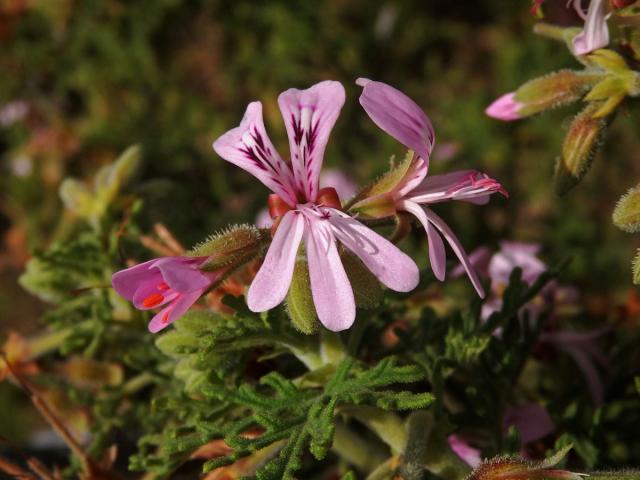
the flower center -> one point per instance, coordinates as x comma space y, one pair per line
327, 197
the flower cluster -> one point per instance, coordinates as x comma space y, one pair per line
313, 223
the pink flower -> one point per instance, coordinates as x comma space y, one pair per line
332, 177
582, 347
398, 115
466, 452
595, 34
174, 283
531, 420
307, 214
505, 108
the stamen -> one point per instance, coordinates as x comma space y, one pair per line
152, 300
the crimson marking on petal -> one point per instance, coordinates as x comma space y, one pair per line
162, 286
152, 300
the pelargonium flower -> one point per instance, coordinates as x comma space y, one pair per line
414, 192
306, 214
470, 455
595, 34
174, 283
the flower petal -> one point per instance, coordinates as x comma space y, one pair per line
249, 147
174, 311
388, 263
532, 421
182, 273
127, 281
437, 254
425, 215
467, 185
505, 108
595, 34
330, 287
272, 282
309, 116
398, 115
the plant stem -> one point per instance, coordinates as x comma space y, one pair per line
550, 31
356, 450
388, 426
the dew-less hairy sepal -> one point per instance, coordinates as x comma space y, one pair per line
579, 148
237, 244
626, 215
554, 90
515, 468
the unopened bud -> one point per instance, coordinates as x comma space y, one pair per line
512, 468
505, 468
236, 245
300, 301
367, 291
635, 268
553, 90
626, 215
579, 148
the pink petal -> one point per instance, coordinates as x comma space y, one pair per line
398, 115
425, 216
505, 108
249, 147
272, 282
479, 258
146, 290
466, 185
595, 34
387, 262
126, 282
330, 287
437, 254
512, 255
344, 186
532, 421
470, 455
175, 310
309, 116
182, 273
414, 177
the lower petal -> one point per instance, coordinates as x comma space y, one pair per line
174, 311
427, 216
272, 282
437, 254
388, 263
330, 287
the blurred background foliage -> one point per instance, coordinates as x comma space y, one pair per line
90, 78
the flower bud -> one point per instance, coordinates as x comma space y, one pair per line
300, 305
635, 268
504, 468
626, 215
580, 145
551, 91
236, 245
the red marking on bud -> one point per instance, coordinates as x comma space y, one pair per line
152, 300
277, 206
162, 286
165, 317
620, 3
328, 197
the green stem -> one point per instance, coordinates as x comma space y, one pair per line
356, 450
388, 426
49, 342
138, 382
550, 31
